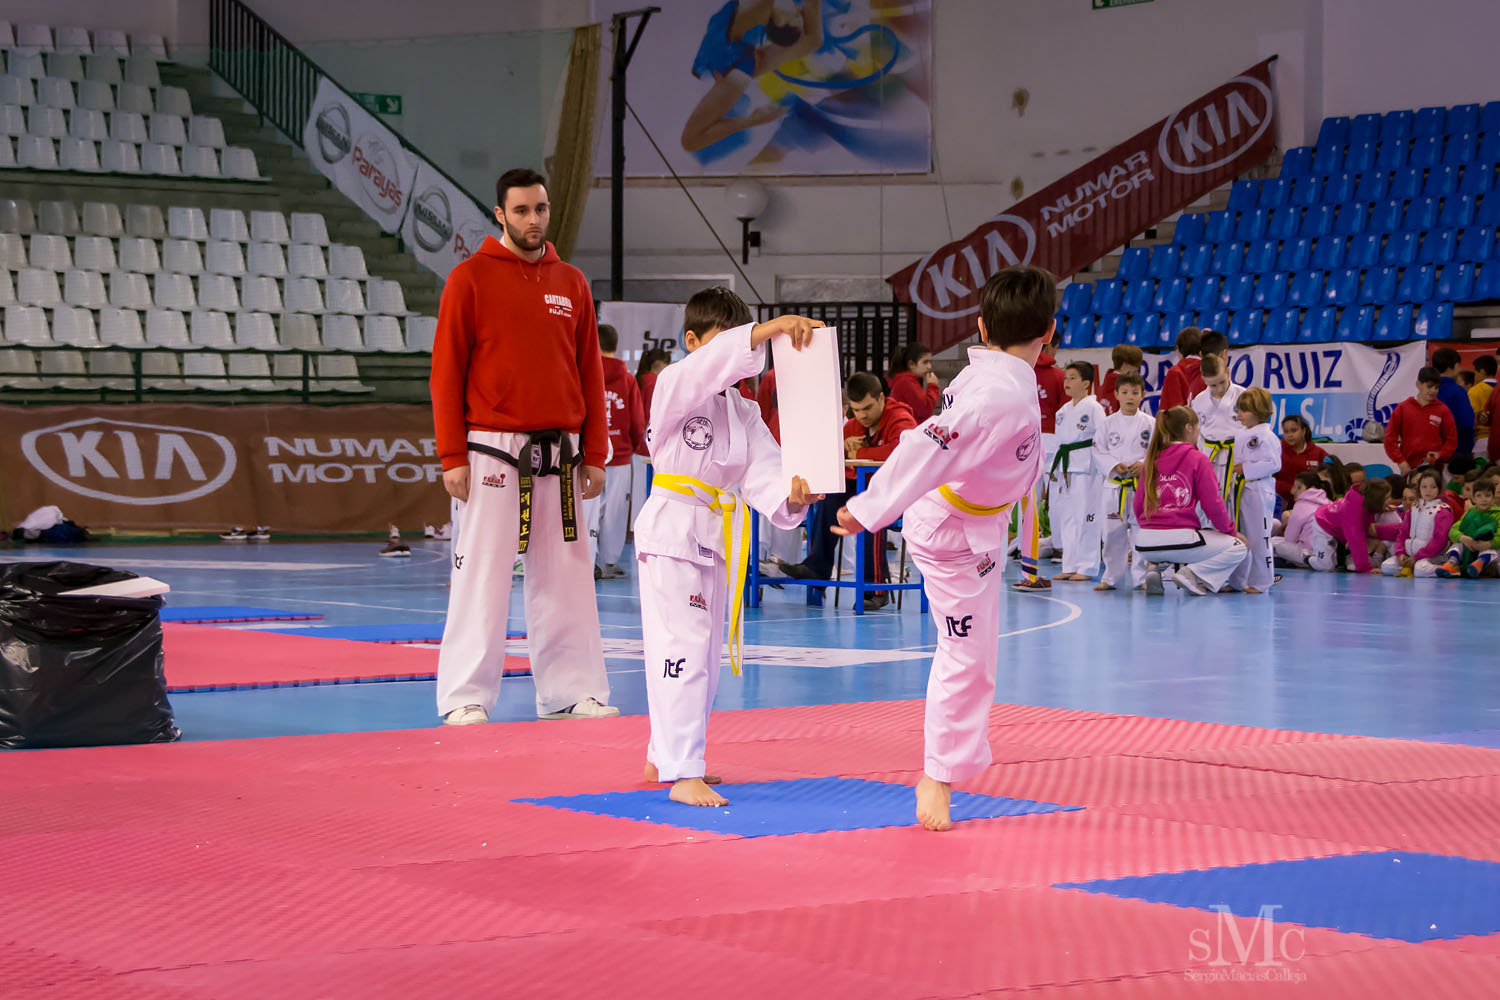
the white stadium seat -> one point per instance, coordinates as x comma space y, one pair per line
38, 287
63, 370
217, 291
260, 295
7, 35
84, 289
205, 371
18, 369
50, 252
34, 37
341, 333
153, 45
139, 255
120, 157
224, 257
17, 90
168, 129
306, 261
26, 325
74, 326
46, 121
303, 295
65, 65
85, 123
420, 332
54, 93
288, 371
239, 163
174, 101
269, 227
206, 131
28, 64
160, 370
299, 332
181, 257
141, 69
385, 297
255, 330
210, 328
12, 120
185, 223
127, 126
103, 67
102, 218
200, 161
346, 262
309, 227
383, 333
96, 96
173, 291
252, 372
36, 152
228, 224
135, 98
7, 151
129, 291
345, 296
81, 155
112, 41
145, 220
267, 259
339, 373
12, 251
111, 369
16, 216
94, 253
74, 40
157, 158
121, 327
7, 289
166, 328
60, 217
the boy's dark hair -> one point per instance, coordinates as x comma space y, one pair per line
1353, 467
1213, 342
1017, 305
1126, 354
714, 308
1485, 365
1460, 464
1484, 483
1311, 478
1465, 378
1444, 358
863, 385
1430, 375
1189, 340
1083, 368
1474, 475
609, 338
520, 177
1128, 379
1398, 484
1212, 367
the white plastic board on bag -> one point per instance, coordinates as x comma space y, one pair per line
810, 401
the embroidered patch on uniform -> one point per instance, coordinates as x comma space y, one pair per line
1146, 438
1025, 449
985, 566
1254, 442
673, 667
1115, 440
698, 433
706, 552
958, 628
559, 305
495, 481
941, 435
1083, 421
697, 601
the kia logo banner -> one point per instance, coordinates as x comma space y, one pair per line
365, 160
444, 226
1072, 222
186, 467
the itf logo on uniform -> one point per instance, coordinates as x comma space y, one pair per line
959, 627
673, 668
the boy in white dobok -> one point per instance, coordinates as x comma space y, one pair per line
1120, 451
1074, 477
692, 538
1218, 418
954, 479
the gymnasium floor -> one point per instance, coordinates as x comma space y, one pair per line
1166, 770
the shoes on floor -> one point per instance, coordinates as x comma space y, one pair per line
1153, 583
1039, 584
874, 602
469, 715
598, 574
613, 572
1190, 582
235, 534
396, 550
262, 533
588, 708
1447, 571
798, 570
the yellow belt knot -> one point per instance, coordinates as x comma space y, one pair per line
736, 547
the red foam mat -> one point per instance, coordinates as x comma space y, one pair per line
1356, 758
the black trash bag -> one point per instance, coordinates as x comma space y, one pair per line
79, 671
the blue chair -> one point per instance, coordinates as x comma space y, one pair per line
1202, 293
1189, 229
1244, 195
1236, 291
1305, 289
1457, 211
1218, 320
1172, 325
1218, 227
1229, 258
1405, 185
1400, 250
1476, 178
1356, 324
1296, 255
1110, 330
1434, 321
1318, 326
1246, 327
1274, 192
1418, 284
1488, 211
1353, 218
1456, 283
1328, 252
1144, 329
1487, 281
1475, 244
1307, 190
1364, 128
1438, 246
1396, 126
1462, 118
1270, 290
1340, 187
1107, 296
1364, 251
1298, 161
1138, 295
1170, 294
1260, 256
1283, 222
1425, 152
1420, 215
1318, 220
1379, 286
1281, 326
1373, 185
1342, 287
1251, 225
1196, 260
1133, 263
1166, 260
1441, 182
1335, 131
1391, 155
1460, 148
1489, 117
1360, 157
1328, 159
1489, 148
1428, 121
1076, 298
1395, 323
1079, 332
1385, 216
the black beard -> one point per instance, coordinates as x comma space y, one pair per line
518, 240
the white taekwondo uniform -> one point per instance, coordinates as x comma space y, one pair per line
1252, 501
1121, 440
1218, 423
1075, 486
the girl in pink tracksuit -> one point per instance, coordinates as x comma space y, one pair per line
1424, 532
1350, 521
1295, 544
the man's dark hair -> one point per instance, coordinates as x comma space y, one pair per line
715, 308
609, 338
520, 177
1017, 305
1189, 339
1430, 375
1212, 342
1083, 368
1460, 464
1129, 379
863, 385
1485, 365
1465, 378
1444, 358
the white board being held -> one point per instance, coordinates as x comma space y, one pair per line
810, 402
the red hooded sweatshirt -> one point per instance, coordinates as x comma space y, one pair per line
1106, 393
881, 439
766, 397
516, 350
905, 388
1295, 462
627, 420
1184, 381
1049, 390
1415, 430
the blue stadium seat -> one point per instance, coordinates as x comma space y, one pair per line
1307, 190
1174, 324
1297, 162
1274, 192
1202, 294
1318, 325
1335, 131
1218, 227
1438, 246
1488, 212
1251, 225
1420, 215
1260, 256
1364, 128
1487, 281
1133, 263
1442, 181
1075, 298
1396, 125
1460, 148
1456, 283
1305, 289
1342, 287
1144, 329
1079, 332
1218, 320
1107, 296
1391, 155
1318, 220
1363, 251
1296, 255
1379, 286
1356, 324
1138, 296
1373, 185
1434, 321
1476, 178
1418, 283
1428, 121
1328, 159
1245, 327
1229, 258
1189, 228
1395, 323
1385, 216
1353, 217
1360, 157
1236, 291
1170, 293
1489, 148
1462, 118
1489, 117
1244, 195
1457, 211
1425, 152
1196, 259
1328, 252
1281, 326
1475, 244
1340, 187
1283, 222
1270, 290
1400, 250
1405, 185
1110, 330
1166, 260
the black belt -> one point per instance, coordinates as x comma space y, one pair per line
545, 453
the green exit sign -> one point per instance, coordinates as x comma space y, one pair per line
390, 104
1106, 4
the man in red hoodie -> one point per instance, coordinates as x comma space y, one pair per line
1421, 428
517, 392
1049, 390
1183, 380
608, 515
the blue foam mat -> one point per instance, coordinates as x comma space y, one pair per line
782, 808
409, 632
207, 613
1387, 894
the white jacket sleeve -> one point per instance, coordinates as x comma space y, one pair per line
1259, 451
1105, 460
683, 385
933, 453
762, 485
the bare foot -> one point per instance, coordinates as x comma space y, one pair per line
1252, 590
1103, 586
932, 804
652, 776
693, 792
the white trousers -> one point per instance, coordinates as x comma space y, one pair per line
1119, 537
608, 516
1259, 568
1422, 568
1075, 523
562, 620
1212, 554
964, 589
1286, 549
779, 543
682, 625
1324, 557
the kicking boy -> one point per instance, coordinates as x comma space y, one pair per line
1120, 452
954, 479
691, 538
1075, 480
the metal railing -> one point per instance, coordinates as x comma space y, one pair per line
869, 332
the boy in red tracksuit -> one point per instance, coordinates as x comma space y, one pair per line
1421, 429
1183, 380
608, 515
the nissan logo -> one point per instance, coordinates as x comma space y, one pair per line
332, 126
432, 220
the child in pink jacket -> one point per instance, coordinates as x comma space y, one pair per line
1295, 544
1350, 521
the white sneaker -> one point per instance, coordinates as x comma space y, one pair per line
469, 715
1190, 582
588, 708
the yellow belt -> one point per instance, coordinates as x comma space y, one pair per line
1126, 484
1215, 448
959, 503
736, 547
